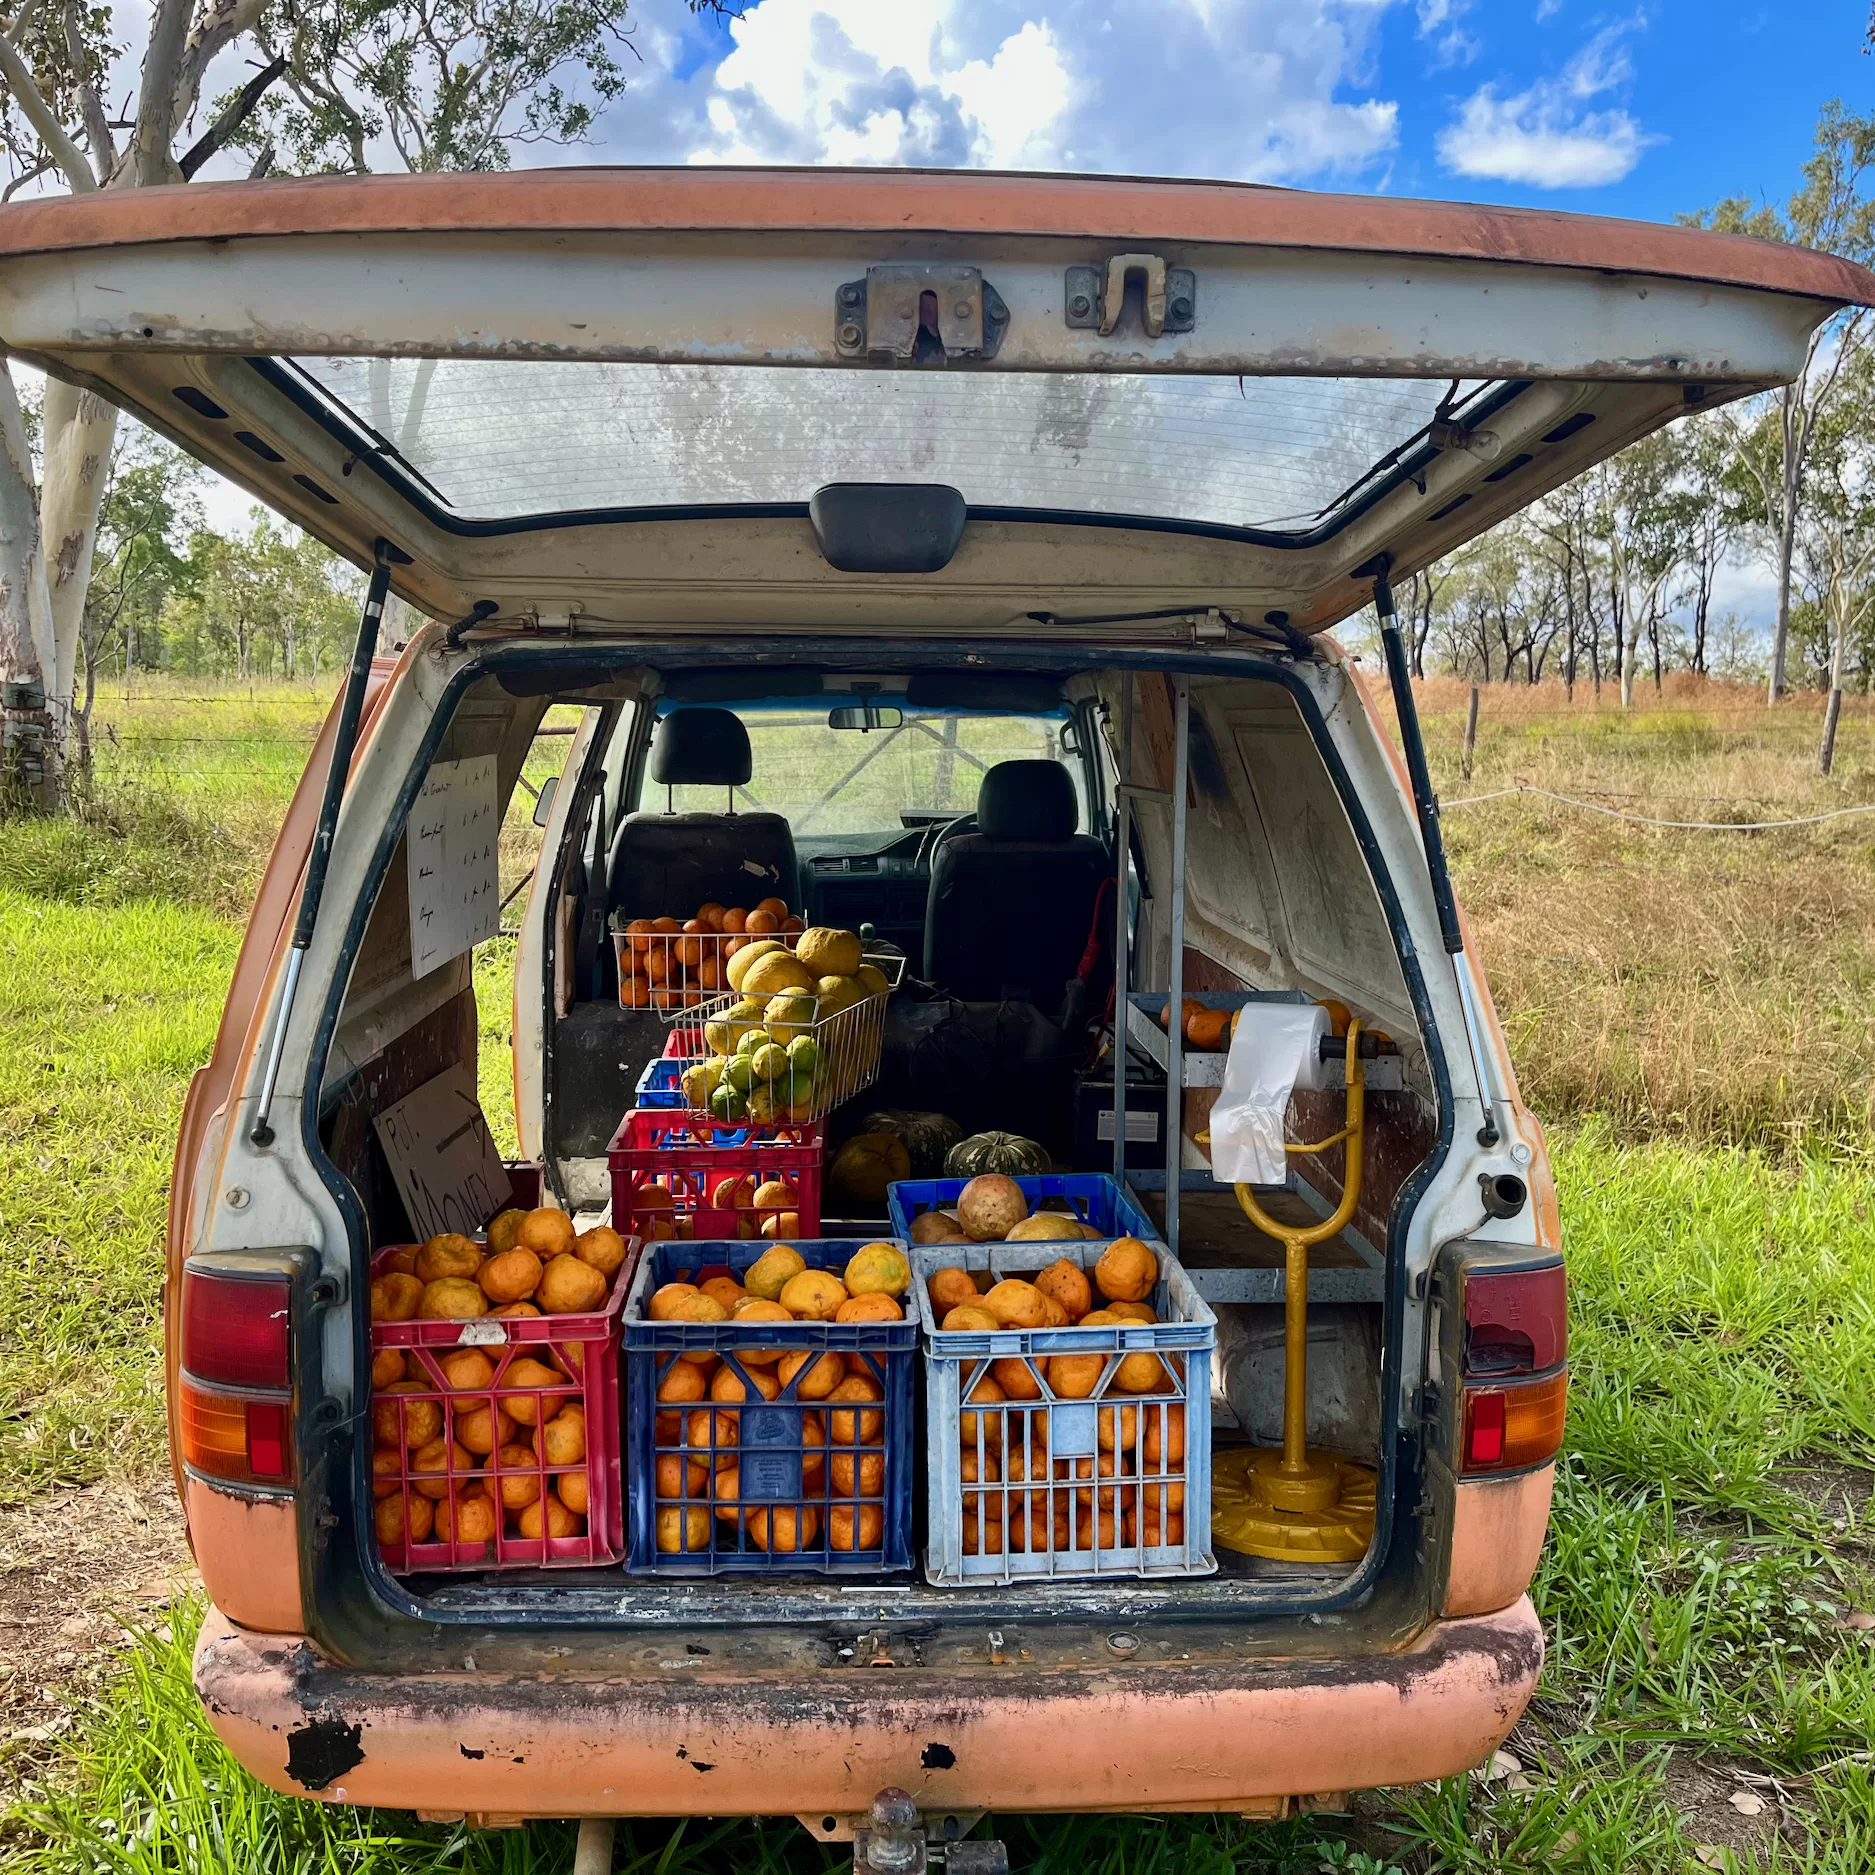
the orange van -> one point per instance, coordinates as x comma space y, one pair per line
982, 534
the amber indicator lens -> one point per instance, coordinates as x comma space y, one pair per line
1509, 1428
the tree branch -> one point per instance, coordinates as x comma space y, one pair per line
97, 123
159, 97
65, 153
227, 20
239, 110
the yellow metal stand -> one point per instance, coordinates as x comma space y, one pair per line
1295, 1505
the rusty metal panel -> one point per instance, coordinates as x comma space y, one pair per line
716, 298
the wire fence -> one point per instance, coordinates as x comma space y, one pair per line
1650, 820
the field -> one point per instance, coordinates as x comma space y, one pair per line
1690, 1011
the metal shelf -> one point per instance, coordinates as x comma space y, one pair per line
1204, 1067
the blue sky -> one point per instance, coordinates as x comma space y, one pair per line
1642, 110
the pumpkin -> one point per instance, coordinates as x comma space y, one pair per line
864, 1167
997, 1152
926, 1137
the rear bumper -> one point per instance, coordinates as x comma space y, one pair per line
674, 1743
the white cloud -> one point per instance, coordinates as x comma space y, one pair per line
1439, 23
1544, 136
1253, 89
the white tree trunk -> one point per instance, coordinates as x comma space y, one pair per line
80, 428
28, 649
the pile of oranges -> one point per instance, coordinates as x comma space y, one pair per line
665, 963
465, 1448
535, 1264
839, 1437
1130, 1493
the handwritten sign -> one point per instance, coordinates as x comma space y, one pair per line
455, 881
447, 1169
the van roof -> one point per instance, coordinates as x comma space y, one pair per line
1320, 378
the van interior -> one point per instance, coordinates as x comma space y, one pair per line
959, 812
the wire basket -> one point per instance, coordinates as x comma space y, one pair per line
676, 972
789, 1064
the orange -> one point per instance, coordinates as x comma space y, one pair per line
984, 1537
403, 1519
752, 1310
734, 919
387, 1367
857, 1428
482, 1429
519, 1483
1075, 1376
467, 1370
682, 1382
813, 1295
677, 1476
951, 1289
1165, 1436
725, 1291
970, 1316
1140, 1373
874, 1306
548, 1232
602, 1247
1067, 1283
559, 1521
728, 1385
469, 1517
1118, 1427
639, 932
1126, 1271
826, 1373
855, 1526
704, 1428
512, 1276
858, 1474
447, 1255
984, 1393
1017, 1304
402, 1261
563, 1438
386, 1469
570, 1489
570, 1287
663, 1304
415, 1423
784, 1529
394, 1298
681, 1528
440, 1460
525, 1408
451, 1299
1019, 1379
761, 923
775, 907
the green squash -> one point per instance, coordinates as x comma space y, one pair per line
997, 1152
926, 1137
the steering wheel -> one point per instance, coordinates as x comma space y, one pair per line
928, 848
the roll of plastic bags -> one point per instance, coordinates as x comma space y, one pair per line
1275, 1050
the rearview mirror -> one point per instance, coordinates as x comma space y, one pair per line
543, 801
866, 716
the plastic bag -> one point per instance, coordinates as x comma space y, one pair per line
1276, 1049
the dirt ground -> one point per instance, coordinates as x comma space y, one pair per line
73, 1568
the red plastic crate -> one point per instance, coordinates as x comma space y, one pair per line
669, 1148
584, 1348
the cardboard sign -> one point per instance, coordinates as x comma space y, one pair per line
455, 879
448, 1172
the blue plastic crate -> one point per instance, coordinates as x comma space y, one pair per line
774, 1445
658, 1085
1037, 1483
1094, 1197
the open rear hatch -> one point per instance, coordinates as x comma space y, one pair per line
1114, 453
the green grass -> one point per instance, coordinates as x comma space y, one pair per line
1694, 1588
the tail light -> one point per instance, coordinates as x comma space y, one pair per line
235, 1389
1516, 1387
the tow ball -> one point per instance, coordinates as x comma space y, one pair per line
896, 1840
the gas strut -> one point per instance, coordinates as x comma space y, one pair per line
1426, 806
344, 741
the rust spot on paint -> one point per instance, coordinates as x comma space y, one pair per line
323, 1750
938, 1757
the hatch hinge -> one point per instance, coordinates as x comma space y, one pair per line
919, 315
1097, 297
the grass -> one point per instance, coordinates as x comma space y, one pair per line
1714, 1526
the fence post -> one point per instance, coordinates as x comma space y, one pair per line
1471, 734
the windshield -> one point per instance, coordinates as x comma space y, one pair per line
501, 439
919, 771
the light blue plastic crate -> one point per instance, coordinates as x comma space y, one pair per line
1185, 1337
1092, 1196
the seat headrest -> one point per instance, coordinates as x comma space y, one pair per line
700, 748
1027, 801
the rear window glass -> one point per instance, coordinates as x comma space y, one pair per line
501, 439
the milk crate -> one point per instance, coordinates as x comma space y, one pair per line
781, 1486
1097, 1481
441, 1436
674, 1175
1092, 1197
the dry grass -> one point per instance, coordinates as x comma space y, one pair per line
1712, 985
